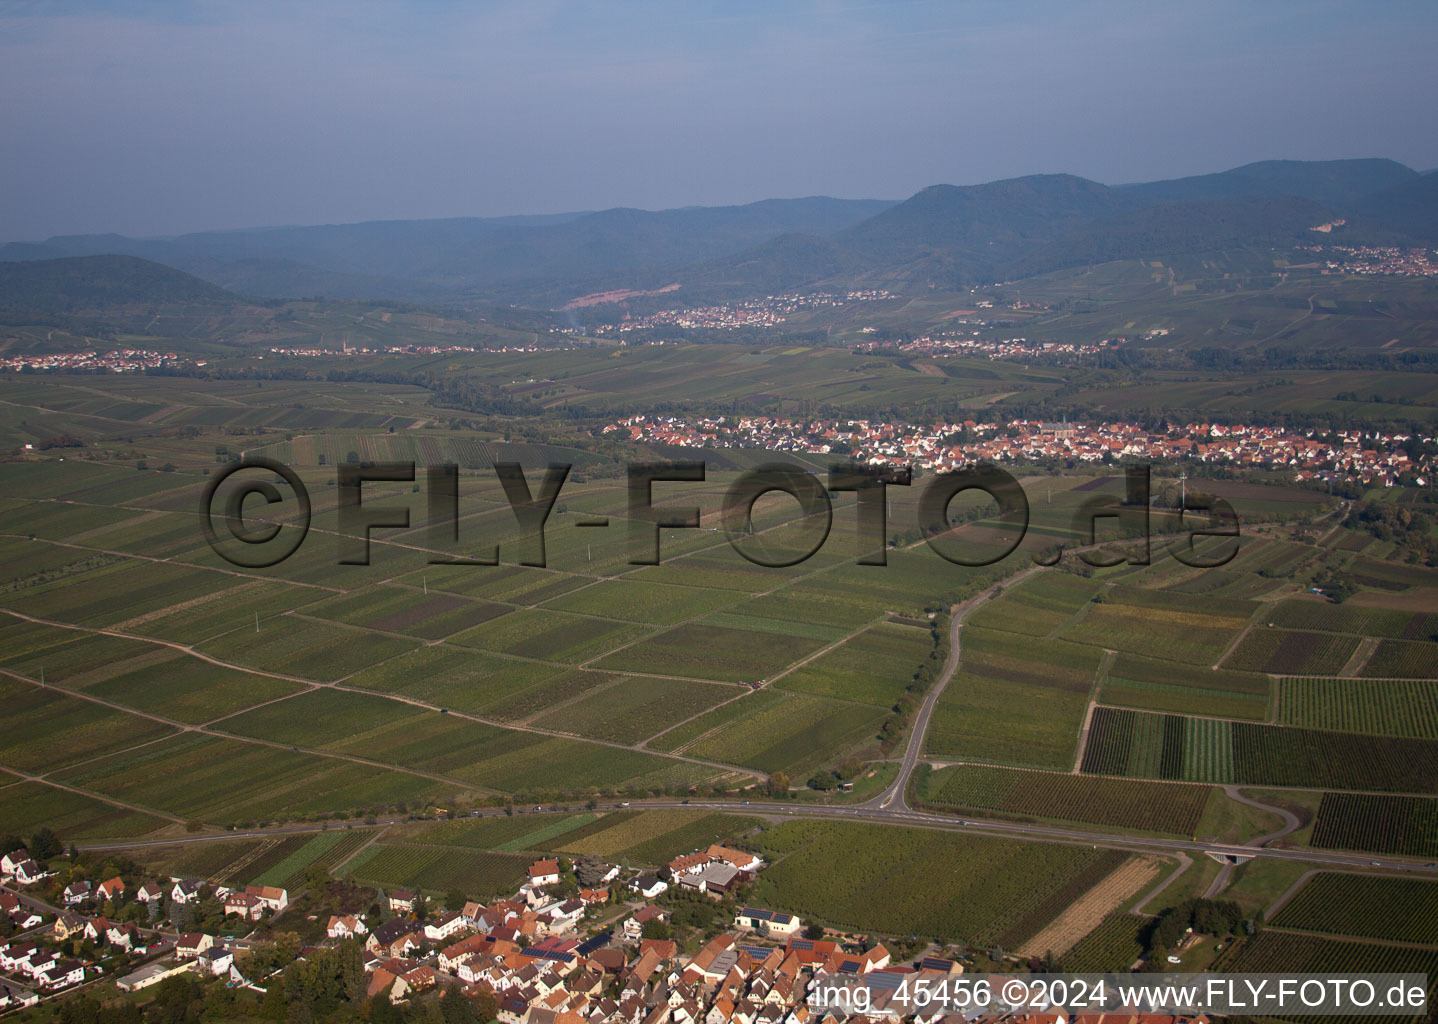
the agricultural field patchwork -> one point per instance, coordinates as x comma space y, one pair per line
228, 782
653, 837
1114, 946
46, 730
455, 677
402, 610
656, 603
1393, 623
550, 636
306, 648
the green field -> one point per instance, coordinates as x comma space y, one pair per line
1292, 652
1385, 707
1168, 625
1273, 951
874, 667
1116, 803
1342, 904
688, 650
974, 888
794, 733
1039, 606
1380, 824
1402, 659
1017, 700
71, 814
1155, 685
1144, 745
438, 870
1114, 946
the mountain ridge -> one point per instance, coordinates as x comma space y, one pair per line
944, 236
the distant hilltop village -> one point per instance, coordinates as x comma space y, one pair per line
120, 360
1373, 458
770, 311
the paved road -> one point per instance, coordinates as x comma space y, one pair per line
895, 798
904, 817
891, 806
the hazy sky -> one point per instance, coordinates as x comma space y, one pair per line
149, 117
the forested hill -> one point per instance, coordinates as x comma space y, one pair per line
81, 283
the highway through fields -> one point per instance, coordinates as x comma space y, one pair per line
775, 809
891, 806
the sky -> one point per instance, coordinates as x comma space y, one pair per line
147, 117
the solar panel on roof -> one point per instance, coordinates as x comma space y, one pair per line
804, 944
595, 942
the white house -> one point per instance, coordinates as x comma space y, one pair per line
562, 916
649, 886
768, 922
218, 960
13, 952
12, 860
118, 937
193, 943
27, 872
345, 927
272, 897
62, 975
185, 890
401, 901
451, 922
544, 872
